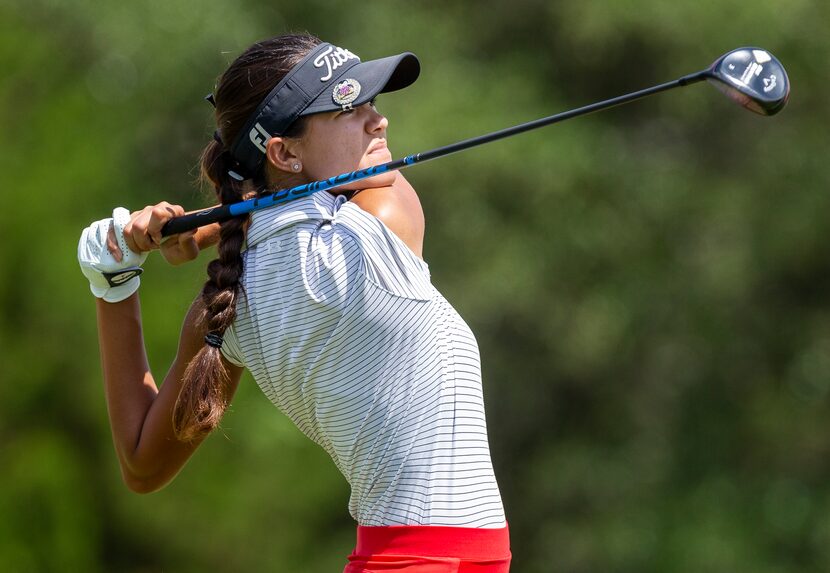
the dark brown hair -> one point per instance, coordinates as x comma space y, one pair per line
241, 88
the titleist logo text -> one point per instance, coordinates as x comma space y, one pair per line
332, 59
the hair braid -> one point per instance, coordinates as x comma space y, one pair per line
204, 394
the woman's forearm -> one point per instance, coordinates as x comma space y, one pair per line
141, 414
128, 383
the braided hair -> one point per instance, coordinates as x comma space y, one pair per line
203, 397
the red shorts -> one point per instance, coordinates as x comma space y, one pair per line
430, 549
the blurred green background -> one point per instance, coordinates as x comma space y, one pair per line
649, 285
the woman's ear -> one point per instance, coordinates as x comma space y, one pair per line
280, 154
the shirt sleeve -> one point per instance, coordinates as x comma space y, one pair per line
230, 348
390, 263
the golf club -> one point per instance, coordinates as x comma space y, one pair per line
752, 77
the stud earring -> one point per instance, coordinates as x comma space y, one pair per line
296, 167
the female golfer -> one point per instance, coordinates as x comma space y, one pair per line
326, 301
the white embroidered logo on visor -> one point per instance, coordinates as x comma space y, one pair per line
332, 58
346, 92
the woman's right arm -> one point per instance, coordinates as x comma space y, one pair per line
141, 414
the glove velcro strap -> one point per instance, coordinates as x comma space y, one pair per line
119, 277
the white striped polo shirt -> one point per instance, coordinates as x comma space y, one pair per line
340, 326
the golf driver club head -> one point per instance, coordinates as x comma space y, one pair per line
752, 77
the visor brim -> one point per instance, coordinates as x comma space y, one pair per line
375, 76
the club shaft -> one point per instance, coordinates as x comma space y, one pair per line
223, 212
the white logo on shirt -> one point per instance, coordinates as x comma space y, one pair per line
332, 59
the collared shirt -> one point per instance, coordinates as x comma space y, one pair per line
340, 326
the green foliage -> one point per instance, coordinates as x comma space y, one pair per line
648, 285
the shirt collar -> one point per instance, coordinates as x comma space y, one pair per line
320, 206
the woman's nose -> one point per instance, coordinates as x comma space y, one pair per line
376, 121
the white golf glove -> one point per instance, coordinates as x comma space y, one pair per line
109, 279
